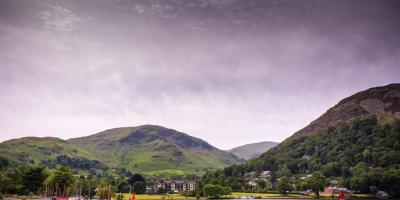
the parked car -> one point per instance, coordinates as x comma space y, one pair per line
382, 194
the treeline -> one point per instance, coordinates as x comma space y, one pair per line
31, 180
25, 179
363, 156
76, 163
94, 167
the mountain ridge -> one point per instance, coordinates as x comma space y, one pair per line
251, 150
149, 149
371, 101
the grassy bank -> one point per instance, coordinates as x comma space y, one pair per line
361, 196
157, 196
233, 195
265, 195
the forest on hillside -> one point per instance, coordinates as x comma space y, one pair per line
363, 156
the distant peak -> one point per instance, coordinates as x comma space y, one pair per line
382, 102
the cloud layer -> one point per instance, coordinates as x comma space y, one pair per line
229, 72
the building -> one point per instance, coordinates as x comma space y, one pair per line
161, 186
334, 190
252, 183
265, 175
333, 183
149, 190
330, 190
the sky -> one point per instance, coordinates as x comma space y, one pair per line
230, 72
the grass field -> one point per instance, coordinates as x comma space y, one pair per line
157, 196
262, 195
233, 195
352, 195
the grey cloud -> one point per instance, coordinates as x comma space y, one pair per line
252, 70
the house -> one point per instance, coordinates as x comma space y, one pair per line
333, 183
189, 185
334, 190
331, 190
173, 186
250, 174
252, 183
149, 190
265, 175
160, 185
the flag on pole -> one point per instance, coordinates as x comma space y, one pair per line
133, 196
341, 195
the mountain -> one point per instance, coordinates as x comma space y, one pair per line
382, 102
151, 150
357, 142
252, 150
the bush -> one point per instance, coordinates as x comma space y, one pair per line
213, 191
1, 195
227, 191
189, 193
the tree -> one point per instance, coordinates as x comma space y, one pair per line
10, 179
33, 178
391, 181
123, 187
359, 169
213, 191
316, 182
367, 155
236, 186
3, 163
284, 171
227, 190
136, 178
261, 184
139, 187
105, 192
284, 185
6, 184
331, 169
61, 179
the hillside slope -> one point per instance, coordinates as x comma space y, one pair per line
382, 102
252, 150
357, 141
152, 150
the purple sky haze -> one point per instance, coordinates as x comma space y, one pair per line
228, 71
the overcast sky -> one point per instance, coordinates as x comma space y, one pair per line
229, 72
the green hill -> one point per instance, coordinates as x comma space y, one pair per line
151, 150
357, 142
252, 150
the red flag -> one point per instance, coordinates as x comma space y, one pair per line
133, 196
341, 195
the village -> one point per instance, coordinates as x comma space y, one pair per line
174, 186
264, 177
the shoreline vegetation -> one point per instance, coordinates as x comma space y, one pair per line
234, 195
